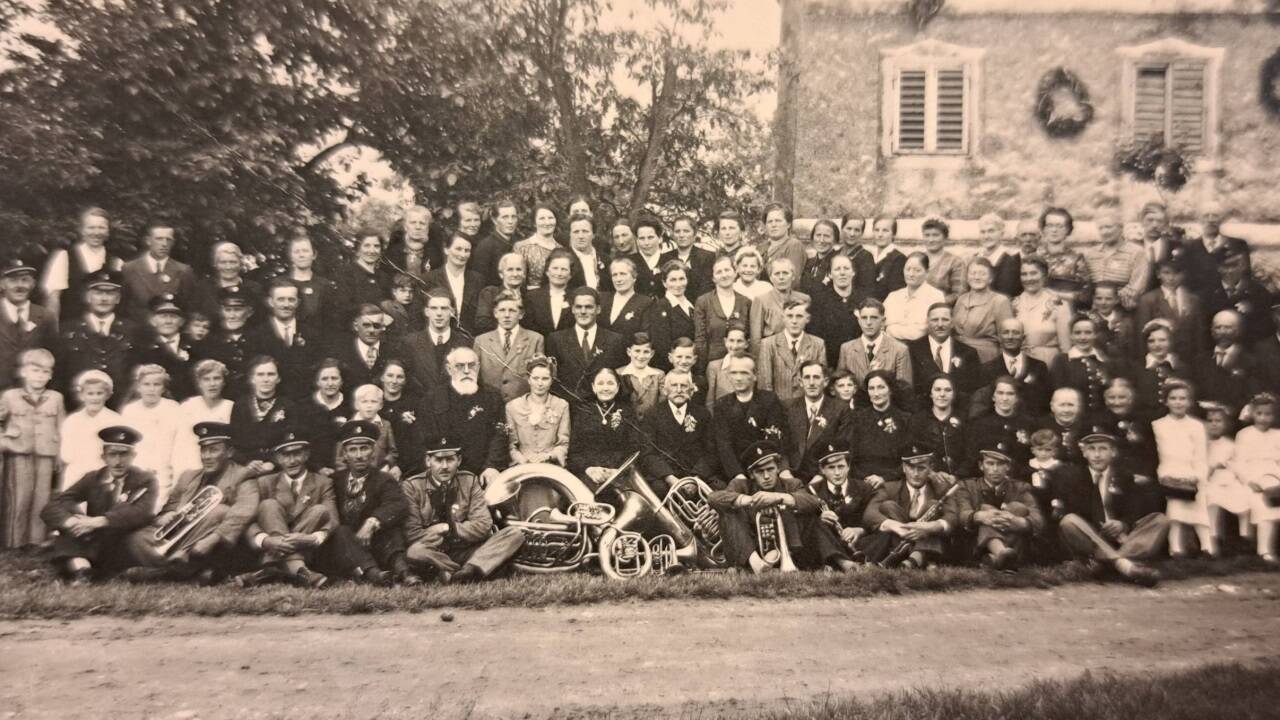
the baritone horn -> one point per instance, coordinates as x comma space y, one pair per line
639, 503
688, 500
187, 517
771, 539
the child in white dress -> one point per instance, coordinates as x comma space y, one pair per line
81, 449
156, 417
1257, 463
1226, 493
1183, 448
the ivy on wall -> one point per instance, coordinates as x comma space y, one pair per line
1167, 167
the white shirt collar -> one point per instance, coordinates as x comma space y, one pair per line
678, 411
879, 254
1152, 361
11, 310
364, 348
1076, 353
154, 265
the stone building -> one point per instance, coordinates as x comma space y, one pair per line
878, 112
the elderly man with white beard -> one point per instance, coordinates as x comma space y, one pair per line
473, 414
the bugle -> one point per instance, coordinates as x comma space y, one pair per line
688, 501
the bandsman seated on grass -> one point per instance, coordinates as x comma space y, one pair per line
295, 516
994, 516
903, 520
844, 499
117, 499
449, 529
208, 550
811, 543
367, 544
1104, 515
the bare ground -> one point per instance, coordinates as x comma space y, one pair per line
693, 659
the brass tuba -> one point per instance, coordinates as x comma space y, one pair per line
639, 503
688, 500
771, 539
187, 517
557, 537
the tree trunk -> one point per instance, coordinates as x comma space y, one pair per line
664, 103
572, 148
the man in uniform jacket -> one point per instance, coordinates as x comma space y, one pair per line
995, 516
505, 350
1102, 514
581, 350
958, 361
154, 273
844, 499
100, 339
745, 417
475, 415
811, 543
229, 343
423, 352
367, 543
896, 513
283, 337
679, 440
168, 347
295, 515
208, 550
449, 529
117, 498
23, 324
816, 420
1237, 290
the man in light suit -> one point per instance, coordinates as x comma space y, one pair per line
875, 350
581, 350
783, 354
155, 273
503, 352
816, 420
23, 324
295, 514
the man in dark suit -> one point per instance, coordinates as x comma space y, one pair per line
367, 542
117, 499
23, 324
490, 249
679, 440
938, 352
1160, 240
462, 285
590, 266
155, 273
423, 352
625, 311
283, 338
698, 263
1175, 302
167, 347
476, 415
897, 513
1032, 375
1228, 372
586, 347
296, 512
746, 416
1237, 290
1203, 256
229, 343
362, 354
1103, 515
100, 339
816, 420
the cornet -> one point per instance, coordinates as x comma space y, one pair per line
771, 539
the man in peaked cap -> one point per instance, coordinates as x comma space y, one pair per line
898, 521
449, 529
844, 499
208, 550
166, 346
230, 343
100, 339
117, 498
23, 324
295, 515
994, 516
1103, 515
367, 544
811, 542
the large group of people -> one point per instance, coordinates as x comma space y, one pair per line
1032, 402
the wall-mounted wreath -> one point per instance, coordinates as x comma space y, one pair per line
1167, 167
1062, 104
1269, 92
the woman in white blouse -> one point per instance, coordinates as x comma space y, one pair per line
156, 417
906, 310
207, 406
1183, 447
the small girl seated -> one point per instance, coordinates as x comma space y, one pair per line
368, 402
1257, 463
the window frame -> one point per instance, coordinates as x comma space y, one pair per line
930, 56
1164, 53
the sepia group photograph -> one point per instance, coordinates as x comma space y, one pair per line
635, 359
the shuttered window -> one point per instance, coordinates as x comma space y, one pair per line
933, 111
1169, 103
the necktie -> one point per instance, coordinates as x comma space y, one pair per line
1220, 355
102, 327
506, 341
917, 504
22, 318
288, 335
937, 358
1173, 303
871, 354
1012, 364
159, 268
813, 423
371, 356
795, 349
586, 346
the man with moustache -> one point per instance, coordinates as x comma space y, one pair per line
475, 415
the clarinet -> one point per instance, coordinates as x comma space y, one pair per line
931, 513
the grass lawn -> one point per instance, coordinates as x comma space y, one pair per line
28, 589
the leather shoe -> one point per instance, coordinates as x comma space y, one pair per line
307, 577
80, 578
1006, 559
1141, 575
378, 576
408, 579
468, 573
146, 574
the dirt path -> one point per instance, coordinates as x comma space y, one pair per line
655, 659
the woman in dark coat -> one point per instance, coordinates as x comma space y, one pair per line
940, 428
670, 316
878, 430
602, 430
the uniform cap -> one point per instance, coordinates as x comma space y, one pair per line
758, 454
119, 436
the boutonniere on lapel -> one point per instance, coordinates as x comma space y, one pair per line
954, 422
1029, 378
888, 425
820, 421
880, 276
630, 315
690, 424
475, 410
1243, 307
1023, 437
277, 416
408, 417
339, 420
183, 354
752, 422
299, 341
773, 431
735, 315
955, 362
308, 291
1237, 371
28, 326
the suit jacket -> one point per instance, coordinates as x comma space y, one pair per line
965, 370
82, 348
1188, 329
778, 370
239, 494
380, 497
897, 492
297, 360
1034, 388
1202, 265
849, 503
1234, 383
472, 525
255, 439
424, 362
574, 379
975, 492
739, 425
485, 256
667, 323
317, 491
698, 270
478, 422
710, 324
42, 332
130, 511
648, 282
1267, 353
830, 426
232, 352
671, 448
889, 274
1251, 300
140, 285
538, 315
503, 371
632, 318
466, 305
1072, 489
485, 302
578, 276
179, 365
890, 355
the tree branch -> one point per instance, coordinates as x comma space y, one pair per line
664, 103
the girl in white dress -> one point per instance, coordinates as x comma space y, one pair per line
750, 263
1183, 448
81, 449
207, 406
1257, 463
1227, 494
156, 418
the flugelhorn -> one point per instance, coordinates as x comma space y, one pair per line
187, 517
771, 539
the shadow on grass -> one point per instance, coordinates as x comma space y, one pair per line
29, 589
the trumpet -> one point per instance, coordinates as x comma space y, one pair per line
186, 518
771, 539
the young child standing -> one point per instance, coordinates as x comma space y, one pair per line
32, 416
368, 403
645, 381
405, 311
156, 418
1257, 463
1183, 448
81, 450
